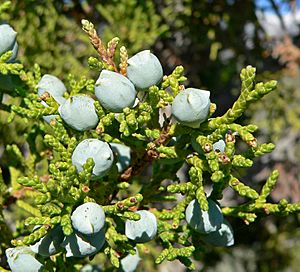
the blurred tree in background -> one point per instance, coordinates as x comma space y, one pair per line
212, 40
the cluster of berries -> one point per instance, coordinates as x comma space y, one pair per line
88, 237
211, 224
115, 92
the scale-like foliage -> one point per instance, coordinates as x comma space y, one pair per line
51, 186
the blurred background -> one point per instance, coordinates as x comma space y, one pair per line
213, 40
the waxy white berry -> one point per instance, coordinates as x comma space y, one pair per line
88, 218
144, 70
123, 155
79, 112
191, 107
80, 245
221, 237
50, 243
114, 91
142, 230
130, 262
22, 259
8, 41
99, 151
204, 221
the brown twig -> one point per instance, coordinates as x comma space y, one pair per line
111, 47
140, 163
98, 45
150, 155
123, 60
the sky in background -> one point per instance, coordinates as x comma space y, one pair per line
283, 6
271, 22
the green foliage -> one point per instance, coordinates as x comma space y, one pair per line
135, 22
59, 46
40, 179
58, 35
51, 197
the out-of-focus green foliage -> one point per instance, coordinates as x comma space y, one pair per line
279, 113
211, 36
135, 22
49, 37
56, 41
204, 36
207, 37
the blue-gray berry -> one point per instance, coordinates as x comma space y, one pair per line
204, 221
114, 91
130, 262
8, 40
217, 146
21, 259
144, 70
54, 86
143, 230
123, 155
15, 51
79, 112
99, 151
50, 243
80, 245
49, 118
221, 237
191, 107
88, 218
